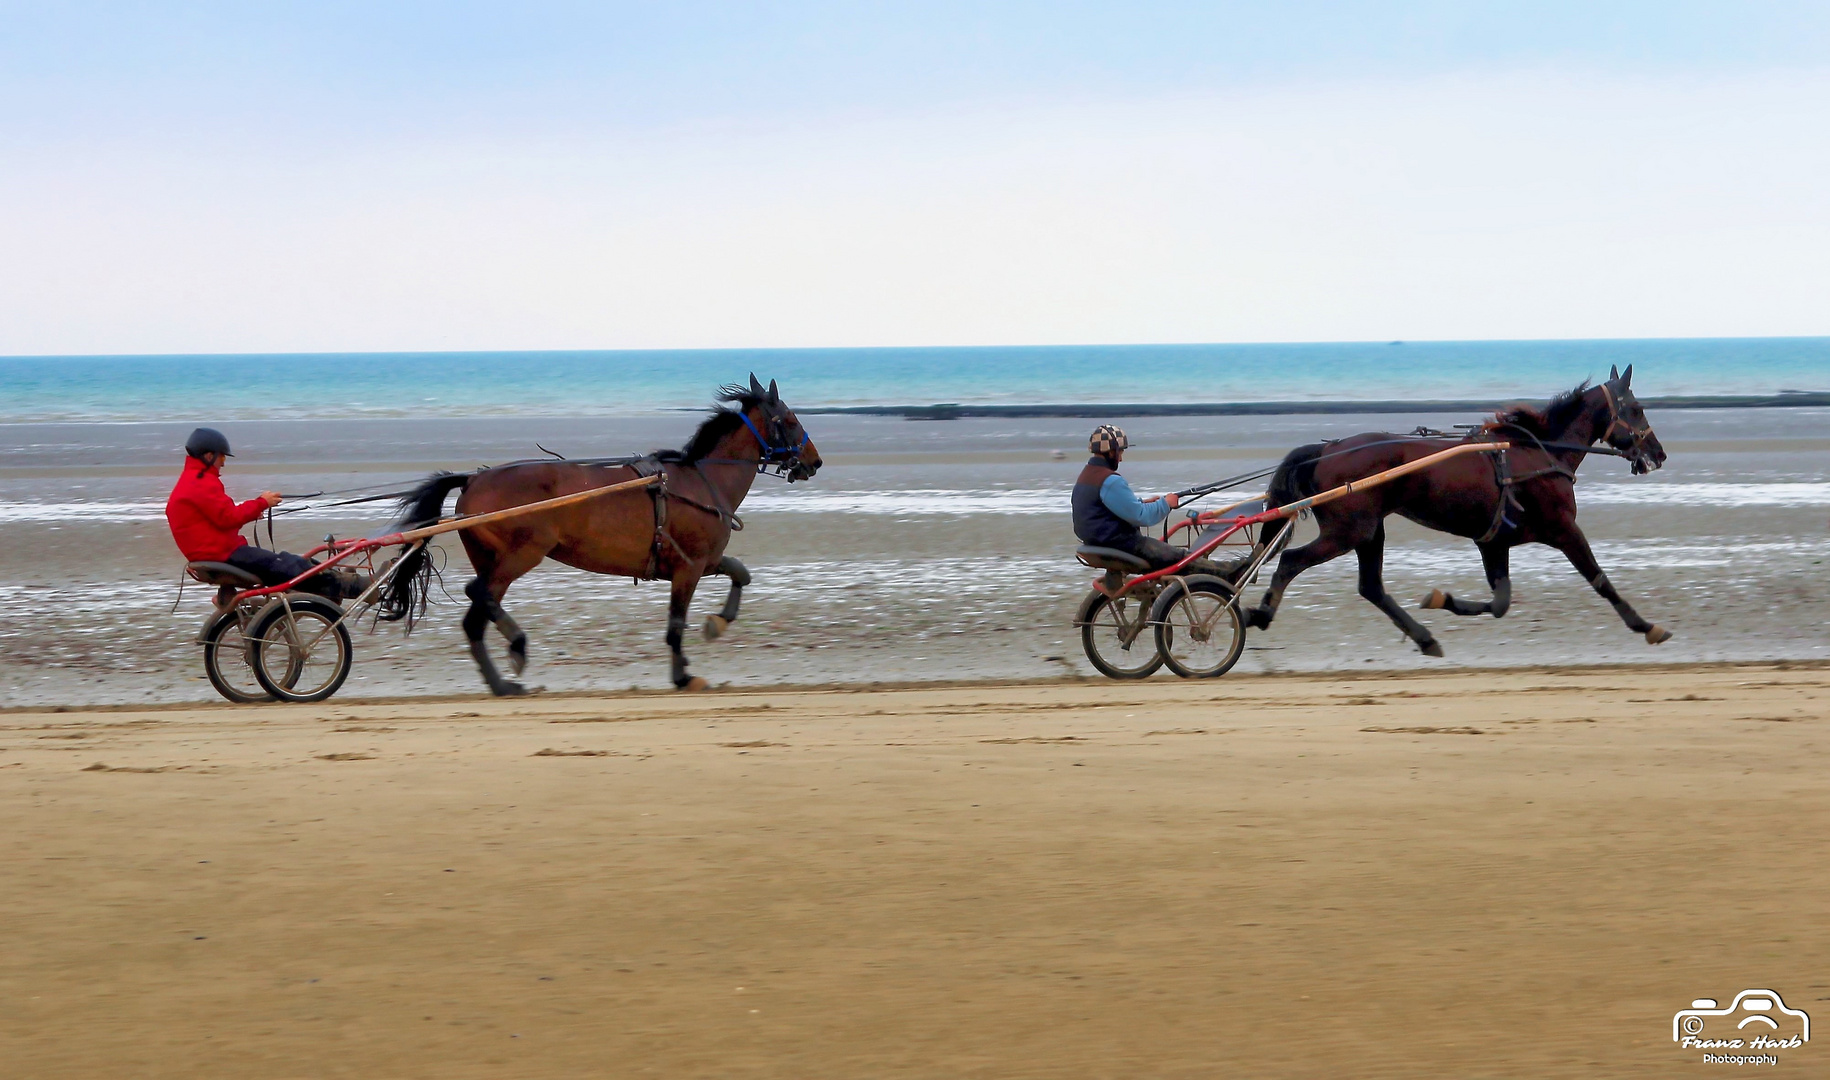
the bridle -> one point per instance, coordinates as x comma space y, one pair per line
1637, 435
777, 452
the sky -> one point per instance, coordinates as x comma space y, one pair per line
204, 177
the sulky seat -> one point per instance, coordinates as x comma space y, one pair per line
1105, 558
222, 573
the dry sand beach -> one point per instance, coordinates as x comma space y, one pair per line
1478, 873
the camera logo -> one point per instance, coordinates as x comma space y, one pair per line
1758, 1020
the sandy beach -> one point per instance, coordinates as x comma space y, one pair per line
1519, 873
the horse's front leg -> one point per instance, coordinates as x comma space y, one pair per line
716, 625
1495, 559
1576, 547
685, 580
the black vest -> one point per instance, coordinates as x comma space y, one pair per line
1093, 523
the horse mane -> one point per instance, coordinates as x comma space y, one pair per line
720, 423
1551, 421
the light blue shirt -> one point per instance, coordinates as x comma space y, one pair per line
1116, 493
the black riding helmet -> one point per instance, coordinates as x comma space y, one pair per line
207, 440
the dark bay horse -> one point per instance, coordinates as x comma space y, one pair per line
1529, 497
676, 530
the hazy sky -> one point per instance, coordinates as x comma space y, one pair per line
217, 177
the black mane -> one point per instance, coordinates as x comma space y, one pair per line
1552, 420
719, 424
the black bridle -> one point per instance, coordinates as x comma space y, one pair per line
1637, 436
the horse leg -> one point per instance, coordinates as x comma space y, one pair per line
1372, 587
1294, 561
1575, 547
485, 609
684, 582
716, 625
1497, 564
496, 571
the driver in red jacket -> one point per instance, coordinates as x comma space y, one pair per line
207, 524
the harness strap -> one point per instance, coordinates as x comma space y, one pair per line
659, 492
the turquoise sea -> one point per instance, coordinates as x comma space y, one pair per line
349, 385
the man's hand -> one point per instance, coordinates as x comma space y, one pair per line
272, 498
1172, 500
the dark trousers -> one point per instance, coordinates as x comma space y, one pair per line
1159, 554
1154, 551
279, 567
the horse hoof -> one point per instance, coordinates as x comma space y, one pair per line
1432, 648
1658, 635
715, 626
509, 689
1436, 601
1258, 619
517, 662
694, 685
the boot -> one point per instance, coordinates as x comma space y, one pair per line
350, 584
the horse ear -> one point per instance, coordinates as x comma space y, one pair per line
755, 387
1626, 377
776, 395
1613, 373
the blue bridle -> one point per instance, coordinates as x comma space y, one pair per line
772, 454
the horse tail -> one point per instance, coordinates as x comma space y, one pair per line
407, 591
1295, 475
425, 504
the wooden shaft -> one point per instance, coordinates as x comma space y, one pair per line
1351, 486
474, 520
1230, 507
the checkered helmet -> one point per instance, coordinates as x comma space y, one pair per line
1107, 441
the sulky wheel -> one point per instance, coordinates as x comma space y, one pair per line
230, 662
1117, 637
1198, 630
304, 654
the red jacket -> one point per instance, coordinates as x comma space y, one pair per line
205, 522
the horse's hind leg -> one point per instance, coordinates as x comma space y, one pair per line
1494, 559
1329, 545
1575, 547
716, 625
495, 573
681, 598
1372, 587
485, 609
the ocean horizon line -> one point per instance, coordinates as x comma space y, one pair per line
917, 382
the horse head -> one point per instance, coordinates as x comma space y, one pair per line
784, 442
1628, 429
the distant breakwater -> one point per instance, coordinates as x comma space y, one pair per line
949, 411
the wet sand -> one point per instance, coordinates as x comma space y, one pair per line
922, 551
1518, 874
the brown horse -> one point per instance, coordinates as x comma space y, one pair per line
676, 529
1525, 495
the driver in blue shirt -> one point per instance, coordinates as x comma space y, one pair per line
1107, 513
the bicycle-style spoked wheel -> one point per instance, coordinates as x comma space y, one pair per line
303, 654
1198, 630
1117, 636
229, 661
